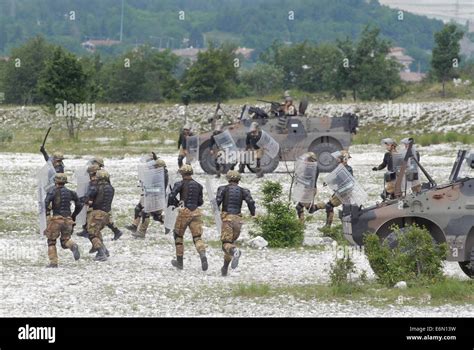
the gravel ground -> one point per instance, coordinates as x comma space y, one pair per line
138, 279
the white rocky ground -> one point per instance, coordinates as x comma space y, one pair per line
138, 279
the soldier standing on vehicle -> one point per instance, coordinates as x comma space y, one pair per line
189, 215
412, 169
311, 207
61, 223
231, 197
142, 219
390, 175
56, 159
100, 199
253, 136
342, 157
182, 143
288, 108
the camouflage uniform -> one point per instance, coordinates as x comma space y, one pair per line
56, 159
387, 162
310, 207
189, 215
100, 199
215, 151
61, 223
182, 143
141, 219
253, 136
412, 177
231, 197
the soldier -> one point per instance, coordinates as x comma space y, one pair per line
390, 175
215, 151
288, 108
92, 171
310, 207
253, 136
100, 199
182, 143
189, 215
231, 197
61, 223
412, 170
142, 219
342, 157
99, 161
56, 159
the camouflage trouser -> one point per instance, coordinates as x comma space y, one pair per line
390, 187
181, 156
144, 221
310, 207
192, 219
231, 226
58, 226
96, 221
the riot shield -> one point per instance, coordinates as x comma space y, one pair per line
268, 143
215, 209
304, 188
153, 184
397, 160
82, 180
225, 141
345, 186
45, 177
171, 213
192, 149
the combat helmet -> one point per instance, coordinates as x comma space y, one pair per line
58, 155
103, 175
98, 160
186, 169
311, 156
160, 163
254, 126
233, 176
60, 178
388, 141
92, 169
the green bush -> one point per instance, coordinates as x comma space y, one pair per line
416, 258
6, 136
279, 226
451, 136
334, 232
341, 270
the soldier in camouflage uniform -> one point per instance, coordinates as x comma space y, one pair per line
215, 151
100, 200
92, 171
60, 225
182, 143
141, 219
387, 162
412, 177
342, 157
310, 207
231, 197
253, 136
56, 159
189, 215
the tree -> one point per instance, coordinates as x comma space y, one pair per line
23, 70
263, 79
63, 81
213, 76
445, 59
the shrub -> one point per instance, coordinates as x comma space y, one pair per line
416, 258
341, 270
451, 136
279, 226
334, 232
6, 136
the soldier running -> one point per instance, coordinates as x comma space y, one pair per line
189, 215
231, 197
182, 143
56, 159
390, 175
100, 200
92, 171
253, 136
61, 224
141, 219
310, 207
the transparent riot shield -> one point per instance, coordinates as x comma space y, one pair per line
215, 209
397, 160
153, 184
192, 149
268, 143
82, 180
304, 188
345, 186
225, 141
45, 177
171, 214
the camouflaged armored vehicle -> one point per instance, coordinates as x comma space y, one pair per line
295, 135
447, 211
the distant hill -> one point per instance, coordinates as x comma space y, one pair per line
250, 23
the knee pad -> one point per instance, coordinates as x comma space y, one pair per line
156, 216
224, 243
63, 243
329, 208
299, 208
51, 242
138, 210
196, 238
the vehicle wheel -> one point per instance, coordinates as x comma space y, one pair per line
206, 160
267, 164
326, 163
468, 266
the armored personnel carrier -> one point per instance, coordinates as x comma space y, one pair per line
447, 211
295, 135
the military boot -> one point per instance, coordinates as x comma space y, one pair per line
117, 234
241, 168
225, 268
236, 253
178, 262
101, 255
75, 252
83, 233
52, 265
138, 235
204, 264
259, 173
132, 227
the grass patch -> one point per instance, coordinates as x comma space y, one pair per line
335, 232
